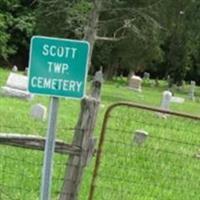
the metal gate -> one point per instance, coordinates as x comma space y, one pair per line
145, 153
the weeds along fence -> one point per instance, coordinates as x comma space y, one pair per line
147, 154
143, 153
20, 172
21, 161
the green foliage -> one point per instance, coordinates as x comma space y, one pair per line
151, 36
16, 27
157, 36
102, 54
62, 18
180, 37
4, 37
134, 36
137, 53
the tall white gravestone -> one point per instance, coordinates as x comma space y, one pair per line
192, 90
166, 98
165, 103
146, 76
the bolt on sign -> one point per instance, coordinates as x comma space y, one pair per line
58, 67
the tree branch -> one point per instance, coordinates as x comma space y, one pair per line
114, 39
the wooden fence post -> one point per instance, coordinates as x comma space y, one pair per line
83, 138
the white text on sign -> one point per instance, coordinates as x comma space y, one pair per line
57, 68
56, 84
52, 50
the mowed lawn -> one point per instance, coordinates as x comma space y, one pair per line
164, 167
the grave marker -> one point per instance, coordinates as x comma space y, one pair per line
17, 81
39, 111
166, 98
135, 83
165, 102
177, 100
140, 137
192, 90
14, 69
146, 76
16, 86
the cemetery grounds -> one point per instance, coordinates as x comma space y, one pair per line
166, 166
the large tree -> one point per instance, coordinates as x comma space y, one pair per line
178, 46
129, 32
110, 21
193, 27
16, 28
60, 18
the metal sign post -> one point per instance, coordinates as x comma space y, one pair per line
49, 149
57, 68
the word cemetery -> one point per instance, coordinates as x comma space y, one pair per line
56, 84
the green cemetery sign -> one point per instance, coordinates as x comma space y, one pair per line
58, 67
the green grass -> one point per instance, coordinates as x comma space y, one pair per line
163, 168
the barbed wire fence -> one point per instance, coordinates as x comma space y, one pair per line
147, 154
20, 173
142, 154
21, 167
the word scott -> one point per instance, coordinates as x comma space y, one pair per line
66, 52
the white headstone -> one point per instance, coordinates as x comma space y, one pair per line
17, 81
165, 103
192, 90
135, 83
166, 98
26, 71
98, 76
39, 111
14, 69
16, 86
12, 92
140, 136
177, 100
146, 76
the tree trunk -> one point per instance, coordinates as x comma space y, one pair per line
83, 138
92, 27
111, 71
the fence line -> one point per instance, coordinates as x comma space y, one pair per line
20, 170
160, 167
36, 143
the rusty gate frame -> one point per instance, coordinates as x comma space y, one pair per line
104, 126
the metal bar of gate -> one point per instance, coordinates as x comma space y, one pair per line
104, 126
